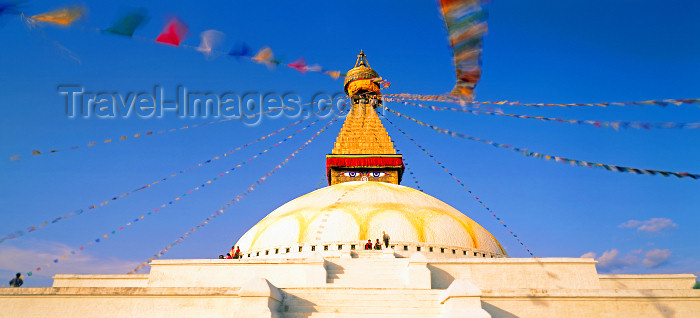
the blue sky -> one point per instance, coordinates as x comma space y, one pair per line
535, 51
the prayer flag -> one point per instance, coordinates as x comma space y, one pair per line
299, 65
129, 22
8, 7
63, 16
333, 74
173, 33
264, 56
466, 26
210, 38
240, 49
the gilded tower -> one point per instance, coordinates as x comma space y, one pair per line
363, 150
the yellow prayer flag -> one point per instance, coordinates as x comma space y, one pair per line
63, 16
264, 55
333, 74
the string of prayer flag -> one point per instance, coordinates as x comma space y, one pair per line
173, 33
323, 181
128, 224
33, 228
408, 169
596, 123
37, 152
573, 162
450, 99
489, 210
235, 200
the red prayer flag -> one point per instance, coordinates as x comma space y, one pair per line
173, 33
299, 65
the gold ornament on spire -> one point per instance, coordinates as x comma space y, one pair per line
360, 78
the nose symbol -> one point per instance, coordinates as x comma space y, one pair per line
364, 178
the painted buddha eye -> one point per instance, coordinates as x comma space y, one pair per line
351, 174
377, 174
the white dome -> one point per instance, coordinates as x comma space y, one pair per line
361, 210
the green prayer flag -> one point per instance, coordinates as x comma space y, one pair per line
131, 21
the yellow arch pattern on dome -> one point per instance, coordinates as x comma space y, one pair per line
371, 207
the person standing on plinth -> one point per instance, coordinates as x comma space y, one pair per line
17, 281
385, 237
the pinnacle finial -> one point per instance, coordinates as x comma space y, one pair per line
361, 59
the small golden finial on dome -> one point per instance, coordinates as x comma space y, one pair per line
361, 59
360, 77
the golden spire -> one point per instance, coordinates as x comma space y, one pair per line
363, 133
363, 149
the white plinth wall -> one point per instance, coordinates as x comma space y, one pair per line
365, 284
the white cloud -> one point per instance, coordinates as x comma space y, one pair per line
611, 260
630, 224
655, 258
30, 255
588, 255
653, 225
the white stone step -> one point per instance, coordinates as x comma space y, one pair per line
353, 284
377, 270
346, 274
373, 273
362, 309
369, 254
373, 300
343, 280
366, 263
361, 291
363, 272
354, 315
367, 302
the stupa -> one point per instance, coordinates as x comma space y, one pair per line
307, 258
364, 199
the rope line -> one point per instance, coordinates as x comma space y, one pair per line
128, 224
36, 152
33, 228
450, 99
573, 162
235, 200
478, 199
605, 124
